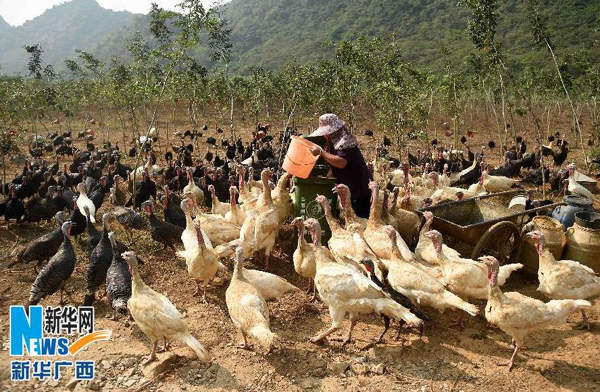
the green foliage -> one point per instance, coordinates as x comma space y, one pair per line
269, 33
35, 60
539, 29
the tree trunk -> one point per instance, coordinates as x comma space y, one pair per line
575, 117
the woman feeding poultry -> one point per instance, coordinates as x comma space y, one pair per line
346, 160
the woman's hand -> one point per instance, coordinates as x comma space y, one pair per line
333, 160
316, 150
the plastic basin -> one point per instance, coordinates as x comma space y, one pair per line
299, 161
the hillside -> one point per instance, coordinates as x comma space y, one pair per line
269, 33
79, 24
4, 26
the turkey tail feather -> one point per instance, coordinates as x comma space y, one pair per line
263, 335
506, 271
191, 342
120, 305
458, 303
393, 309
582, 304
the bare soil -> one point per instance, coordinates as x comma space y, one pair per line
445, 359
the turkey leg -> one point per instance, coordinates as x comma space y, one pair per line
165, 346
244, 344
311, 288
197, 292
399, 332
63, 290
204, 291
584, 323
386, 321
323, 335
348, 338
314, 290
511, 363
152, 355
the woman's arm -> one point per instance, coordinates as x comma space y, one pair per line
333, 160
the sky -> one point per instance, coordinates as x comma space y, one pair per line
17, 12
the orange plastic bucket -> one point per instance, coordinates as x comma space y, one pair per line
299, 161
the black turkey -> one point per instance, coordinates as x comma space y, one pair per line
163, 232
535, 176
44, 247
118, 280
142, 193
130, 220
93, 234
55, 274
100, 260
96, 195
14, 208
78, 219
173, 212
218, 161
38, 209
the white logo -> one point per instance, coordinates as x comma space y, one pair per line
314, 210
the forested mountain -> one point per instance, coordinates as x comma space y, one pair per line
270, 33
4, 26
78, 24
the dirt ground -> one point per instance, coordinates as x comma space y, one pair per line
444, 359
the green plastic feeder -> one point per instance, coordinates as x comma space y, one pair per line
316, 184
306, 205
